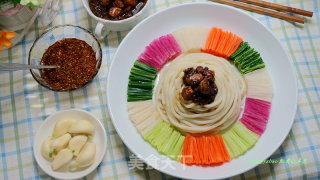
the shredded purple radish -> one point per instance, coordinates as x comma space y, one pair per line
256, 115
160, 51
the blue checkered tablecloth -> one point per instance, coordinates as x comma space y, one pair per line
24, 104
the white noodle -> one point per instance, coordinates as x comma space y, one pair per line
193, 118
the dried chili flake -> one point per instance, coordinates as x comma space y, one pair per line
76, 60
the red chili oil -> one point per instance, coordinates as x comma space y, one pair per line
76, 60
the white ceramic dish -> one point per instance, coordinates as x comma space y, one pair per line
209, 14
46, 129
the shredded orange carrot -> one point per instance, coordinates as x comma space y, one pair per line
221, 43
9, 34
210, 38
235, 46
209, 151
196, 154
224, 150
204, 150
217, 138
5, 37
193, 149
214, 35
219, 155
212, 150
229, 45
186, 152
224, 41
216, 40
7, 43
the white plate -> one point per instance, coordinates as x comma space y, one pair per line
46, 129
209, 14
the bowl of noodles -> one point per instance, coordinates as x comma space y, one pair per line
202, 93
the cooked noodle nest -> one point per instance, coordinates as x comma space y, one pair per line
190, 117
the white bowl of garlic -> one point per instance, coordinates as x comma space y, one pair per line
70, 144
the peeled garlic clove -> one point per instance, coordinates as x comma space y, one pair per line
63, 157
62, 126
46, 150
61, 142
76, 143
86, 156
82, 127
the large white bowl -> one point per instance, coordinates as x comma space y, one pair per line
209, 14
46, 129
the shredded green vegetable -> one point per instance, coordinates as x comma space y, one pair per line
246, 59
141, 82
166, 139
50, 154
239, 139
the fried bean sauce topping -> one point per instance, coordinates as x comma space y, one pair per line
199, 84
116, 9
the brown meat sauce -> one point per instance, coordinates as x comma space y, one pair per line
199, 85
116, 9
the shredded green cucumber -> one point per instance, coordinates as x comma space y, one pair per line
248, 137
140, 93
154, 132
243, 46
243, 56
139, 72
139, 78
132, 89
141, 84
146, 67
249, 59
172, 140
138, 98
166, 139
239, 139
177, 149
258, 66
251, 62
252, 66
246, 59
164, 130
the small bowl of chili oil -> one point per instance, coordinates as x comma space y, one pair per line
75, 51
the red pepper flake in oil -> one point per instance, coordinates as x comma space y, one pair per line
76, 61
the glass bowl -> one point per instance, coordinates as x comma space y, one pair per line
52, 35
